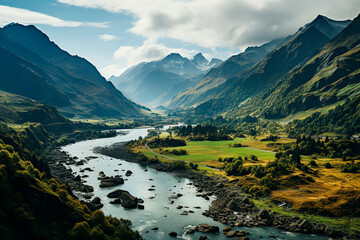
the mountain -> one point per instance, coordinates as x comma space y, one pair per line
153, 83
326, 79
33, 66
217, 76
233, 92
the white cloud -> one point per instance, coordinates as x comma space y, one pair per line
24, 16
226, 23
127, 56
107, 37
214, 24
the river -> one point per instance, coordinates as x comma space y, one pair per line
158, 211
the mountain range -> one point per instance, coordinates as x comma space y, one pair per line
33, 66
154, 83
315, 67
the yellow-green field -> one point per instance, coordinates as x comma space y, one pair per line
205, 151
330, 191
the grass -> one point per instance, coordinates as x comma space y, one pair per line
330, 192
204, 151
342, 223
107, 121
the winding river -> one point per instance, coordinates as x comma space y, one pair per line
158, 212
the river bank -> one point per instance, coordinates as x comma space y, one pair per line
231, 207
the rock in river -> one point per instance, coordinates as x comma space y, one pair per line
111, 181
124, 198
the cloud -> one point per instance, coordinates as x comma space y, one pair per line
214, 23
127, 56
107, 37
24, 16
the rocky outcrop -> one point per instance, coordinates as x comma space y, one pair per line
95, 204
206, 228
125, 199
65, 175
111, 181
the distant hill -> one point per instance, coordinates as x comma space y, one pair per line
156, 82
33, 66
231, 96
18, 109
208, 86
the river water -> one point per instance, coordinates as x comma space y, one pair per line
158, 212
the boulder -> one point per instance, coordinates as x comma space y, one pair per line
208, 229
231, 234
173, 234
116, 193
124, 198
96, 200
111, 181
226, 229
264, 214
128, 173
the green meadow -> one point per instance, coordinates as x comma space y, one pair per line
202, 151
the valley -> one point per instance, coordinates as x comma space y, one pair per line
176, 143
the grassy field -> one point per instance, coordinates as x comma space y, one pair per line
329, 191
206, 152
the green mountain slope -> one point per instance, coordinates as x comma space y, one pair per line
211, 84
250, 82
39, 69
329, 77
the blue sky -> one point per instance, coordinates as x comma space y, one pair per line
116, 34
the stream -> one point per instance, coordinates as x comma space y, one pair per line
158, 212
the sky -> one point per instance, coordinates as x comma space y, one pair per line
117, 34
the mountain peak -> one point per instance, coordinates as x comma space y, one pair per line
329, 27
199, 59
174, 55
199, 56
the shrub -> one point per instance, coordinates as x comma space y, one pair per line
313, 163
327, 165
236, 145
253, 157
349, 168
193, 166
178, 165
179, 152
81, 231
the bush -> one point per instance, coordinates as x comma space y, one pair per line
235, 145
193, 166
179, 152
313, 163
177, 165
253, 157
349, 168
327, 165
81, 231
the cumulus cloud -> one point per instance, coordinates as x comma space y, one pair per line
214, 23
107, 37
24, 16
127, 56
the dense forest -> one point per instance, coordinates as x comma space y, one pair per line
343, 120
